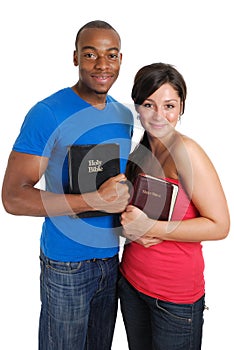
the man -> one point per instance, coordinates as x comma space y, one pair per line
79, 257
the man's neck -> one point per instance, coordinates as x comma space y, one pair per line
95, 99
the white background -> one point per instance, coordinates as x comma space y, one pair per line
37, 42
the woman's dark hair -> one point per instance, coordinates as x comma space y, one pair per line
150, 78
147, 80
139, 159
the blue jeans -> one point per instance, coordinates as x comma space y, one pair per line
78, 304
154, 324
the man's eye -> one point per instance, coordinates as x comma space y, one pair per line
89, 55
113, 56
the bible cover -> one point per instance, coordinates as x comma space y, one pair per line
89, 166
155, 196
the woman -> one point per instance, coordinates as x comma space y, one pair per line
162, 288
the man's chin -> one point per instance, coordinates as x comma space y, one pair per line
101, 92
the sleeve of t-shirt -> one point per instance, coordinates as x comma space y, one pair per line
38, 131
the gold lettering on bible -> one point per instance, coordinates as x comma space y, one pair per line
94, 166
150, 193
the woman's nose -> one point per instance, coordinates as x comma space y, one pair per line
158, 112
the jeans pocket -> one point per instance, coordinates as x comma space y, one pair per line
67, 268
179, 312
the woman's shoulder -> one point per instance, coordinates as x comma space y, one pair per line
184, 142
188, 153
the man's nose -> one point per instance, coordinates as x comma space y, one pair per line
101, 62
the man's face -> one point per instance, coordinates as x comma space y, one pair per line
98, 57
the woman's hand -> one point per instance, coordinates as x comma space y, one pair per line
137, 226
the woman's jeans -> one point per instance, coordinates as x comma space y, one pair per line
79, 304
153, 324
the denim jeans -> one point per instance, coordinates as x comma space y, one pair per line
78, 304
154, 324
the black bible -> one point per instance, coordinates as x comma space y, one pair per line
89, 166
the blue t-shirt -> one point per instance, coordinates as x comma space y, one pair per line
52, 125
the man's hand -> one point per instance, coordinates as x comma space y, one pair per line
112, 196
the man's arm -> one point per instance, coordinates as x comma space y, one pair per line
21, 197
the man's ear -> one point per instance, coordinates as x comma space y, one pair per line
75, 58
120, 57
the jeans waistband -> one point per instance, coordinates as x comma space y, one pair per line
49, 261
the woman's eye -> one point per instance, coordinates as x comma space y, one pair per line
169, 106
147, 105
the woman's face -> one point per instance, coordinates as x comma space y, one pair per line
160, 111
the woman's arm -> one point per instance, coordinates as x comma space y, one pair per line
206, 194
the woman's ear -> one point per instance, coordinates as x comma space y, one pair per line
136, 107
181, 109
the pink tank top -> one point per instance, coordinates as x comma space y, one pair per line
170, 271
